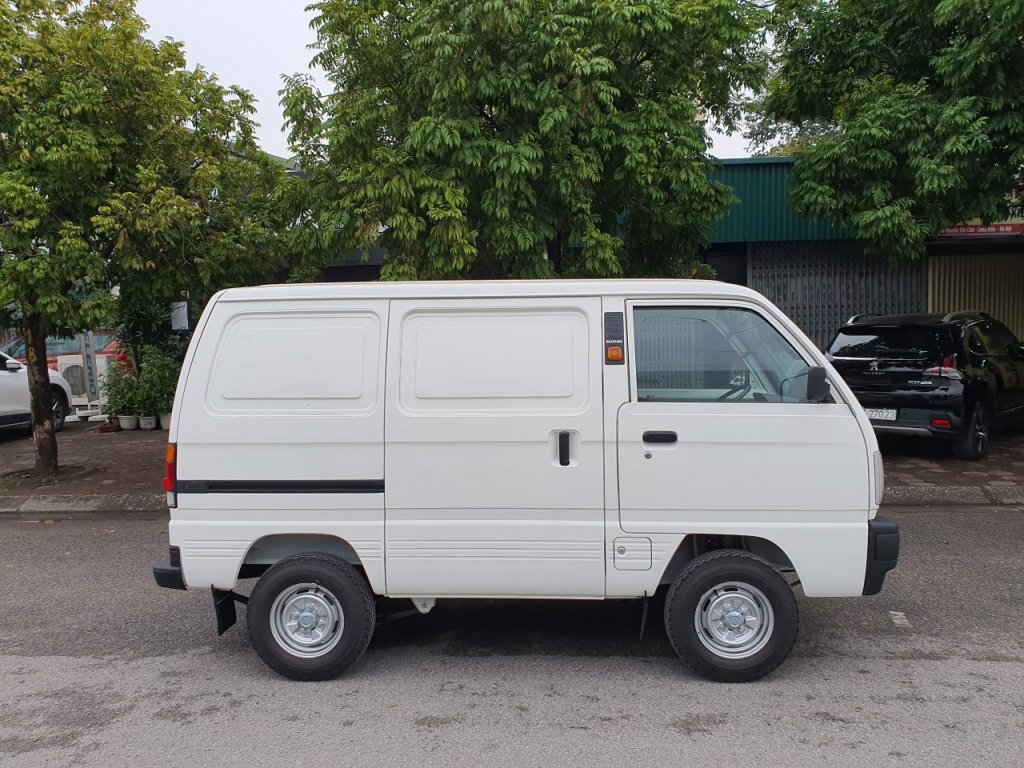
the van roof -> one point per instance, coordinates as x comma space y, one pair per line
490, 289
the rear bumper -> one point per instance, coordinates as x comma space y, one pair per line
167, 573
916, 410
918, 423
883, 553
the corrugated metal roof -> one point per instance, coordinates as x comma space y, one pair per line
763, 213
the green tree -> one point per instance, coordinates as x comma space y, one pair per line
905, 116
495, 137
118, 167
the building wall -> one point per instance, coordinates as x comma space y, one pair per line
820, 284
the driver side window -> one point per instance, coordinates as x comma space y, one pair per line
702, 354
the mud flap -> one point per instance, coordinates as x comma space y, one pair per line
224, 606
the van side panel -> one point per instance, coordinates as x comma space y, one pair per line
494, 448
280, 430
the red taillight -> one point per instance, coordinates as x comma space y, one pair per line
945, 371
171, 478
942, 423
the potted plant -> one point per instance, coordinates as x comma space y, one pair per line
119, 386
144, 405
159, 379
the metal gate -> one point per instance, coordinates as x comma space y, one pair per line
820, 284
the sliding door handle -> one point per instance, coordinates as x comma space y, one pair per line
563, 449
660, 437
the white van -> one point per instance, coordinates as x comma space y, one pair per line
555, 439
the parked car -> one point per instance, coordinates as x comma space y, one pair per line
954, 377
14, 396
103, 342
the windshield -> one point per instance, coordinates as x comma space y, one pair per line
906, 342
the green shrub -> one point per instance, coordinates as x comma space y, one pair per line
119, 386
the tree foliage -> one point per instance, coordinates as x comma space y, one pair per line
517, 137
905, 116
118, 167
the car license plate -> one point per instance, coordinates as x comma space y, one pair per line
881, 414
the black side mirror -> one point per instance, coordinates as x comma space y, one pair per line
818, 388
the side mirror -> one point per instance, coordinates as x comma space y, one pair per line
12, 365
818, 388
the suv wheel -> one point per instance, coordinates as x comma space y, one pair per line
972, 444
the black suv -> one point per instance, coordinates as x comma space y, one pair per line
953, 376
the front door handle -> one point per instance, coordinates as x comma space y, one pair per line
660, 437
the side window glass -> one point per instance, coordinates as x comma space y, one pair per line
975, 343
700, 354
1003, 342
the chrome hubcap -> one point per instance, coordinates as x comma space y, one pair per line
306, 620
734, 620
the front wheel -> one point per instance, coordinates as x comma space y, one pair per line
731, 617
59, 410
311, 617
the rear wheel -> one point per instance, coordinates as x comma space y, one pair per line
731, 617
972, 444
311, 617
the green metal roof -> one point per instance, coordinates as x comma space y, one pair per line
763, 213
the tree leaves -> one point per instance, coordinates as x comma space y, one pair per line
908, 116
517, 137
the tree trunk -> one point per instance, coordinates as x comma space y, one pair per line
556, 252
43, 436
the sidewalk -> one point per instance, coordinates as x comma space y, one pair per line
123, 471
112, 472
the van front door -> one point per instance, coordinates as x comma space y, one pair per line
493, 451
718, 438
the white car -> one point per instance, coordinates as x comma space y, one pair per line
14, 397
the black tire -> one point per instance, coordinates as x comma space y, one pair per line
972, 444
748, 588
59, 409
329, 594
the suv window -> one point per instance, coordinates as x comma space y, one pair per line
699, 354
995, 338
907, 342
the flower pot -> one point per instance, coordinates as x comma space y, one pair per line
128, 422
165, 421
147, 422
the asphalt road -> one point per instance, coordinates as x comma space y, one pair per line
99, 667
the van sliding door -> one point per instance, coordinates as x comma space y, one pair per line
493, 453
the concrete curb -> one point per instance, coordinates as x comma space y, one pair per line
83, 504
156, 503
952, 495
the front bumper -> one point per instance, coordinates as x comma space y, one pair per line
883, 553
168, 572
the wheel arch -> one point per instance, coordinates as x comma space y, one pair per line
272, 548
696, 544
